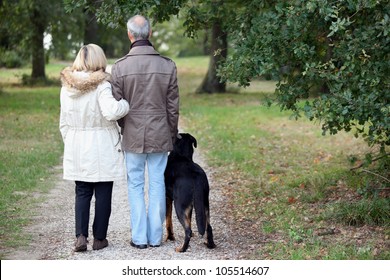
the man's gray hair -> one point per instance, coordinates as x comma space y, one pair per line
139, 27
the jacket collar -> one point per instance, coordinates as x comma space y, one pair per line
143, 50
80, 82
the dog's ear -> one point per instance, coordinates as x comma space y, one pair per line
193, 140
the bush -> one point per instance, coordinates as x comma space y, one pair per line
337, 49
364, 212
10, 59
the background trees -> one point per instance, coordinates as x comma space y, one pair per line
198, 16
331, 58
338, 50
24, 25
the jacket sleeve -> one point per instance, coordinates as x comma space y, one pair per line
111, 108
63, 125
173, 104
117, 89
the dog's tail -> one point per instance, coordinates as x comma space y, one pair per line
201, 203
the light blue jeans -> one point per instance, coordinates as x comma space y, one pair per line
146, 226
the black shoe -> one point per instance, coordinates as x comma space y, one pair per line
81, 244
142, 246
99, 244
154, 246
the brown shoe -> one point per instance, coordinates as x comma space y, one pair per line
99, 244
81, 244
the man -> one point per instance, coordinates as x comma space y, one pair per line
148, 82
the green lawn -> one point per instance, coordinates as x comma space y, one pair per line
30, 146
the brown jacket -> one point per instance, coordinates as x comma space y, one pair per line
148, 82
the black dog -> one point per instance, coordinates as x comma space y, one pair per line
187, 186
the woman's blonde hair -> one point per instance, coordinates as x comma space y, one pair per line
90, 58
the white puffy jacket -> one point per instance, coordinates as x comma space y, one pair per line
92, 148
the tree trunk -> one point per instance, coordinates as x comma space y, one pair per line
211, 82
38, 25
91, 29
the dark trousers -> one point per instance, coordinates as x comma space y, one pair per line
103, 193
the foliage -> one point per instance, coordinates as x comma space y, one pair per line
201, 14
67, 32
10, 59
22, 22
198, 16
116, 13
12, 41
168, 37
338, 49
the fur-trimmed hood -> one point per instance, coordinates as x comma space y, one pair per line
80, 82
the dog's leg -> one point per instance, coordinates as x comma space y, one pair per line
187, 230
187, 238
209, 231
210, 239
168, 220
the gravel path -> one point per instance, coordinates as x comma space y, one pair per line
52, 229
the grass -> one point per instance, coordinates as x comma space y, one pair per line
14, 77
286, 183
30, 146
363, 212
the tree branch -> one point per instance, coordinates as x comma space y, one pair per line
368, 171
375, 159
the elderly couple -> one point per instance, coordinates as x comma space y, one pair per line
142, 95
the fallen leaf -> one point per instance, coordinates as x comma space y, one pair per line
291, 200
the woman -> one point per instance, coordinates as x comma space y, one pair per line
92, 155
